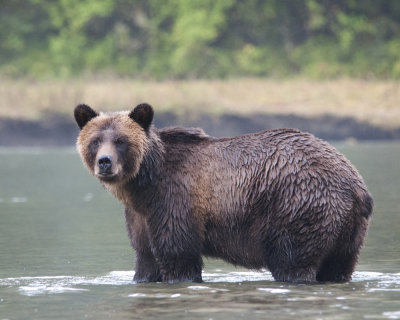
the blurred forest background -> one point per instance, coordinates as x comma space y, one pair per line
200, 38
303, 58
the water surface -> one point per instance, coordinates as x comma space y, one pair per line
65, 254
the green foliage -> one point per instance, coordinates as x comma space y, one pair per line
200, 38
196, 27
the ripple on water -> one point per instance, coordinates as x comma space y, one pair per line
374, 281
274, 290
392, 315
19, 199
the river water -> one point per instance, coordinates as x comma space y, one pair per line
65, 254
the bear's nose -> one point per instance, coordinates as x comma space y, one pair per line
105, 164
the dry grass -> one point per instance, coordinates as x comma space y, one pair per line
376, 101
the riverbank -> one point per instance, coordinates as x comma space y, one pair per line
61, 130
373, 101
40, 112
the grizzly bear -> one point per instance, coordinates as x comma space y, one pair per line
278, 199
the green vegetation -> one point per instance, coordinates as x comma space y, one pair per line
161, 39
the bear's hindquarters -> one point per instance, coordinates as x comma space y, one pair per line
315, 255
340, 263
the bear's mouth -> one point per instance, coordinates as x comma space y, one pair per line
107, 177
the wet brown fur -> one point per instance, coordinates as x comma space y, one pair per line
278, 199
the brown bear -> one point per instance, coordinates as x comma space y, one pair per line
278, 199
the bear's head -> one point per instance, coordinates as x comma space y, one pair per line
113, 145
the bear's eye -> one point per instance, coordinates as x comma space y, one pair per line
96, 142
119, 141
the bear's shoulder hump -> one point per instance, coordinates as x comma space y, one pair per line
183, 135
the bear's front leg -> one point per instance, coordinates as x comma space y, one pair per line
176, 246
183, 267
146, 269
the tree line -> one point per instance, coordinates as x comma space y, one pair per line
162, 39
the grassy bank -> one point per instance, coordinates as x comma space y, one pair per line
374, 101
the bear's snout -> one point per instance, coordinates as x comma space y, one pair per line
105, 165
107, 168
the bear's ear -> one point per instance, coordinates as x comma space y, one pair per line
83, 113
143, 115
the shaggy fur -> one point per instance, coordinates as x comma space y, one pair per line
278, 199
